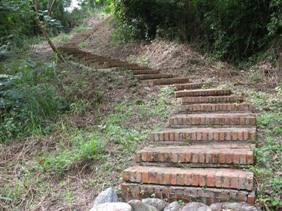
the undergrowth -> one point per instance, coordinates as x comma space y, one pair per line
82, 145
269, 149
29, 98
71, 122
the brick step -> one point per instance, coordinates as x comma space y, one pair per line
186, 194
212, 119
91, 58
145, 71
202, 92
222, 107
220, 178
122, 65
134, 67
202, 135
188, 86
216, 155
211, 99
168, 81
153, 76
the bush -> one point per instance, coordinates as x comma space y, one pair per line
18, 21
231, 29
29, 98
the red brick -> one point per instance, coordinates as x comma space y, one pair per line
145, 177
242, 196
188, 179
251, 199
173, 180
234, 181
195, 179
125, 175
210, 180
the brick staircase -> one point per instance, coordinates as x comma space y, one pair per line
205, 152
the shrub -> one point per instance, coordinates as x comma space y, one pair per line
29, 98
231, 29
18, 20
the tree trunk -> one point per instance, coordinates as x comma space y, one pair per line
50, 8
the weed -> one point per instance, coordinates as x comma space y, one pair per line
181, 203
63, 37
142, 60
79, 106
29, 98
79, 28
81, 146
83, 44
269, 151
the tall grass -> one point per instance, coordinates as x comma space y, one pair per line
29, 98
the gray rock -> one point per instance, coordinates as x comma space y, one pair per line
174, 206
137, 205
151, 208
247, 207
195, 206
216, 207
108, 195
232, 206
157, 203
205, 208
112, 206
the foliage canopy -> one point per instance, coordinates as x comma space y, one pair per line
232, 29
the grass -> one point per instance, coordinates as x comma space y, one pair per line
83, 44
79, 28
63, 37
30, 97
269, 149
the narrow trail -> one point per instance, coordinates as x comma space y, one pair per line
205, 151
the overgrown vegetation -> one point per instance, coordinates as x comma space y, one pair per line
94, 139
113, 129
29, 98
19, 19
231, 29
269, 148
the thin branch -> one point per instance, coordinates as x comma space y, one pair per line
45, 33
51, 7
